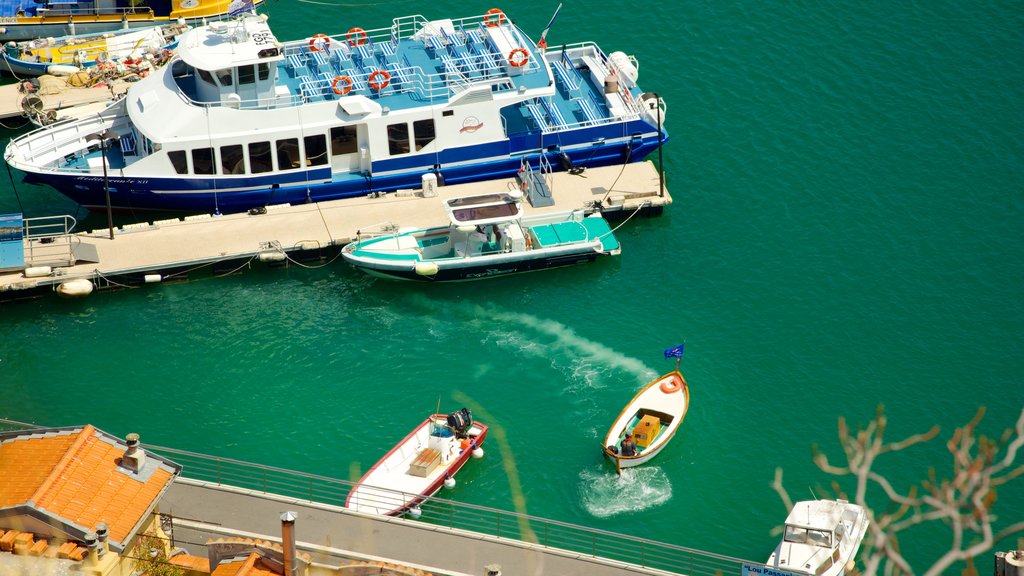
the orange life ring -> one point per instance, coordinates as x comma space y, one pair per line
316, 38
347, 85
671, 386
379, 85
360, 35
517, 63
492, 23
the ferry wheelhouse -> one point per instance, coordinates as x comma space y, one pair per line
31, 19
241, 120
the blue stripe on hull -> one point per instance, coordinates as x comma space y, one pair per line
207, 195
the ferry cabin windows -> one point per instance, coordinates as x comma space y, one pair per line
246, 74
424, 132
398, 136
202, 161
288, 154
260, 158
343, 140
316, 150
178, 160
232, 159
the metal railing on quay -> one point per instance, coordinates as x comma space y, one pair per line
449, 514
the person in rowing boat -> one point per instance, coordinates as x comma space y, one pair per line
628, 447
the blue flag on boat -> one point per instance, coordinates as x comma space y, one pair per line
237, 7
676, 352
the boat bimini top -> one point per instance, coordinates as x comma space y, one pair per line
485, 209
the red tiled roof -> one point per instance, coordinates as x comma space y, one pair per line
253, 565
193, 563
73, 476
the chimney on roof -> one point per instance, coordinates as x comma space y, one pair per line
288, 542
102, 532
134, 457
92, 543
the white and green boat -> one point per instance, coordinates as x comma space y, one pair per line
487, 236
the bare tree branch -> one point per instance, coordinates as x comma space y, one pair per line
962, 501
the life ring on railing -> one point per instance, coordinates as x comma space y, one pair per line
316, 38
671, 386
379, 85
517, 63
345, 89
494, 12
360, 35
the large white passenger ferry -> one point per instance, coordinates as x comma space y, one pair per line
241, 120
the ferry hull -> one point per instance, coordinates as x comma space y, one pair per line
228, 195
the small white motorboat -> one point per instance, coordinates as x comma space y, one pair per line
821, 538
651, 418
419, 465
487, 236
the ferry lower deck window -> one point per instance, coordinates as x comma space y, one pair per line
206, 76
288, 154
260, 159
232, 159
246, 74
398, 138
423, 130
316, 150
202, 161
264, 71
343, 140
179, 161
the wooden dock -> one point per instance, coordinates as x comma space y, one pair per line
165, 250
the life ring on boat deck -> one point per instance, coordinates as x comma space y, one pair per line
671, 386
379, 84
345, 89
517, 63
494, 12
360, 35
316, 38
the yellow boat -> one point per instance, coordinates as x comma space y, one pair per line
69, 54
30, 19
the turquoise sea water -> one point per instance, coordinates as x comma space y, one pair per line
848, 230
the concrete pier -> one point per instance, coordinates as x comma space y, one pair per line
168, 249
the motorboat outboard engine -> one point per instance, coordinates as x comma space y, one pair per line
460, 421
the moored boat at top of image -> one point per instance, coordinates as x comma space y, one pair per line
73, 53
240, 120
31, 19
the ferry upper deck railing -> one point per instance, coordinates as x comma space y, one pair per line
447, 513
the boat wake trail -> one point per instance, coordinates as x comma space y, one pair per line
604, 494
587, 360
